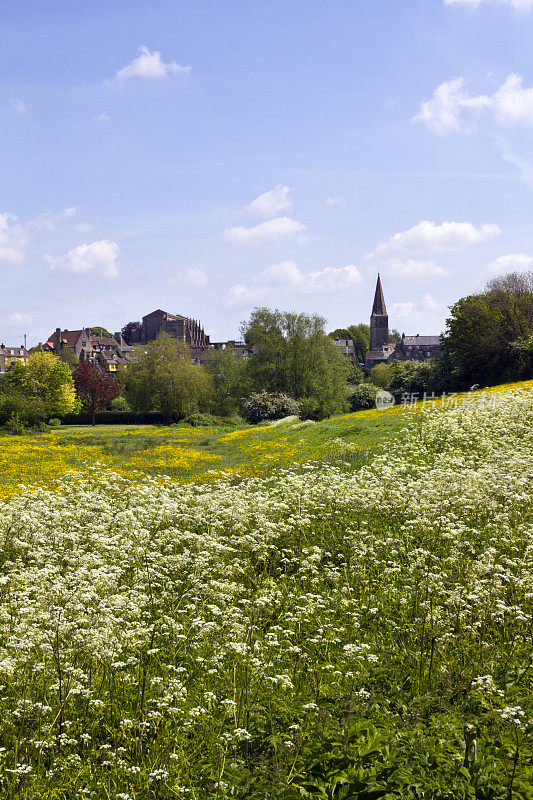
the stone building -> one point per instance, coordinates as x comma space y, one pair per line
182, 328
108, 352
409, 348
9, 354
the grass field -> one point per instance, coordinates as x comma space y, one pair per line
357, 626
191, 454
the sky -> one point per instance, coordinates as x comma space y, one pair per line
210, 156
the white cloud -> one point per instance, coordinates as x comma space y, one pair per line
417, 312
99, 257
411, 268
13, 239
445, 112
240, 295
513, 103
20, 318
334, 201
510, 263
274, 229
427, 236
195, 277
18, 106
520, 5
330, 279
102, 117
84, 227
271, 203
150, 65
50, 220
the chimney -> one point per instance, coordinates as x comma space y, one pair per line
57, 345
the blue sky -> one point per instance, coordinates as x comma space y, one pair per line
208, 156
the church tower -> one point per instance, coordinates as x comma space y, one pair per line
379, 320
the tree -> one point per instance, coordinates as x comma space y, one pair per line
360, 335
69, 357
380, 375
95, 388
487, 334
394, 336
293, 355
161, 377
43, 388
230, 381
128, 330
98, 330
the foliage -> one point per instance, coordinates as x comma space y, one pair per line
363, 396
54, 422
269, 405
293, 355
488, 334
128, 330
199, 420
231, 383
119, 404
68, 356
359, 334
161, 377
98, 330
323, 633
95, 387
416, 378
380, 375
394, 336
42, 388
355, 375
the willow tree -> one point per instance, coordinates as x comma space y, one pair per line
161, 376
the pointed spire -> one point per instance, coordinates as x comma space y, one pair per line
379, 301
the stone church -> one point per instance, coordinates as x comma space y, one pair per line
409, 348
182, 328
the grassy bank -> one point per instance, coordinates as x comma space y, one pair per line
191, 454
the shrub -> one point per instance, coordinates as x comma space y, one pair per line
265, 405
54, 422
120, 404
199, 420
363, 396
381, 375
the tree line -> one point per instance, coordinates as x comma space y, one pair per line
293, 367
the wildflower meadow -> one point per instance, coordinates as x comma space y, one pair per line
327, 630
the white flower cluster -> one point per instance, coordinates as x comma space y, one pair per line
183, 617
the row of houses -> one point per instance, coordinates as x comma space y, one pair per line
112, 352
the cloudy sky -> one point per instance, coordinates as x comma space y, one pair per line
208, 156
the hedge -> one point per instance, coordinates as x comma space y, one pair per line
116, 418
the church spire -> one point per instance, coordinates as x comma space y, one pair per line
379, 300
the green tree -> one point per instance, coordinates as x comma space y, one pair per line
381, 375
161, 377
230, 381
43, 388
69, 357
292, 354
487, 334
98, 330
394, 336
359, 334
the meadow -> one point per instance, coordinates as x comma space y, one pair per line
189, 454
354, 625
